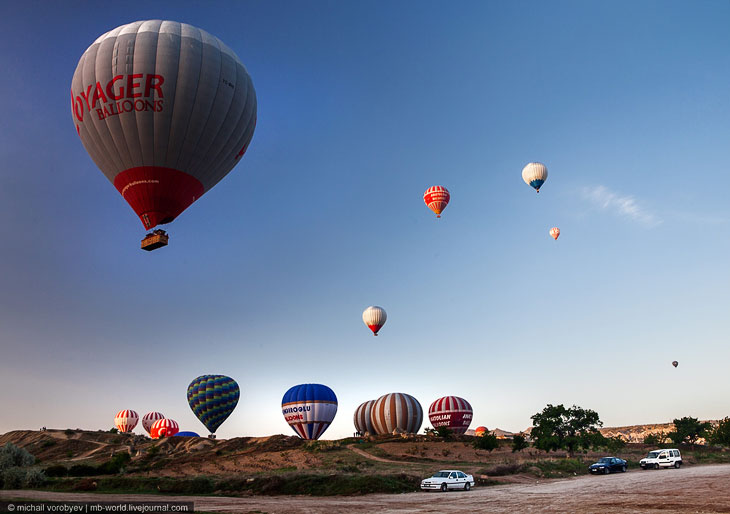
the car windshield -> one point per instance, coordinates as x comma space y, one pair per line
604, 460
441, 474
652, 455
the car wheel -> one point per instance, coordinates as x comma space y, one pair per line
623, 469
677, 464
467, 486
656, 466
606, 471
443, 488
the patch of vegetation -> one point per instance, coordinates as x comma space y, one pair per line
48, 443
519, 443
561, 467
445, 432
15, 470
322, 446
68, 431
720, 435
501, 470
688, 430
488, 442
572, 429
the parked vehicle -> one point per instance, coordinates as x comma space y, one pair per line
664, 458
606, 465
448, 479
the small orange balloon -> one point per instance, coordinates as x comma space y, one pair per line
555, 233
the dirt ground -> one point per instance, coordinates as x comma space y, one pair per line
697, 489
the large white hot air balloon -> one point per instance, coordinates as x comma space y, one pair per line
374, 317
165, 110
535, 174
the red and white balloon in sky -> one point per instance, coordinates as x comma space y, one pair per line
437, 198
165, 110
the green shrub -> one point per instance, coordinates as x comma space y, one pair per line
13, 478
68, 431
56, 471
82, 470
34, 478
519, 443
720, 435
12, 456
486, 442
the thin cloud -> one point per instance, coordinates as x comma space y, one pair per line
626, 206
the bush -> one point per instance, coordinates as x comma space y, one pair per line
115, 464
445, 432
82, 470
13, 478
12, 456
34, 478
720, 435
614, 444
486, 442
68, 431
654, 439
56, 471
519, 443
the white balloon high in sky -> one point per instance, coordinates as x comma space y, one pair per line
535, 174
165, 110
374, 317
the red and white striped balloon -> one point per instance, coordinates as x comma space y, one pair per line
362, 419
164, 428
451, 412
396, 411
555, 233
374, 317
149, 419
126, 420
437, 198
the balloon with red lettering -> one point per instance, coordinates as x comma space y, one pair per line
164, 428
309, 409
555, 233
149, 419
396, 412
126, 420
535, 174
437, 198
374, 317
451, 412
165, 110
361, 418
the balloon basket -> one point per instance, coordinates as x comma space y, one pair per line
155, 240
211, 436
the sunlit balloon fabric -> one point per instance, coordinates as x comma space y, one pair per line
396, 411
451, 412
555, 233
126, 420
535, 174
362, 419
437, 198
165, 110
212, 399
164, 428
374, 317
480, 431
309, 409
149, 419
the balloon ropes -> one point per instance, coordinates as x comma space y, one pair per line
374, 317
535, 174
212, 399
437, 198
165, 110
126, 420
309, 409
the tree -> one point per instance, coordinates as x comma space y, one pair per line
488, 442
688, 430
720, 435
519, 443
570, 429
445, 432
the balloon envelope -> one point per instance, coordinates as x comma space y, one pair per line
149, 419
361, 418
126, 420
186, 434
212, 399
164, 428
675, 364
555, 233
396, 412
480, 431
309, 409
374, 317
165, 110
437, 198
451, 412
535, 174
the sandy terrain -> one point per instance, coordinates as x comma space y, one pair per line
690, 489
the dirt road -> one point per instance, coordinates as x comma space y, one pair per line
691, 489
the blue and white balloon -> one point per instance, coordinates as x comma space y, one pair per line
309, 409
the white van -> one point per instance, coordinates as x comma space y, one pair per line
665, 458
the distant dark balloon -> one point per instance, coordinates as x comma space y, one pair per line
675, 363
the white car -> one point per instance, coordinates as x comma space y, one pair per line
665, 458
448, 479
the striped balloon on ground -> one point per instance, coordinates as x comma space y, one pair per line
437, 198
451, 412
309, 409
396, 411
362, 419
149, 419
126, 420
165, 110
164, 428
212, 399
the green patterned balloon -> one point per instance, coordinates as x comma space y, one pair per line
213, 398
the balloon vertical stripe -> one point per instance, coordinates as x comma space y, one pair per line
396, 411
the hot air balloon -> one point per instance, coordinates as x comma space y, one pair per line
451, 412
149, 419
309, 409
437, 198
535, 174
126, 420
396, 412
165, 110
480, 431
361, 418
164, 428
675, 363
374, 317
212, 398
186, 434
555, 233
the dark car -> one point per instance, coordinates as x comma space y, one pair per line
607, 465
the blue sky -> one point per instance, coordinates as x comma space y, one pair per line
362, 107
